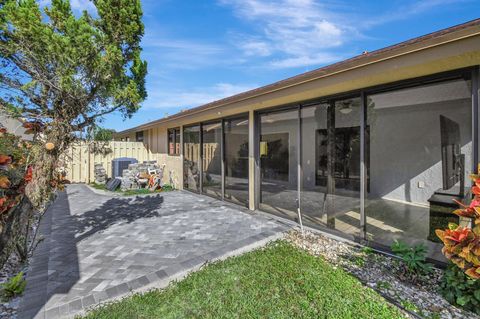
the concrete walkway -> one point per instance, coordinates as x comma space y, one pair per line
100, 247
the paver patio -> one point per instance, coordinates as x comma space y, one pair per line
99, 247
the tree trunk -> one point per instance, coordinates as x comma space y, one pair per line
39, 190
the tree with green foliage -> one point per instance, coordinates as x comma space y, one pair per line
63, 72
101, 134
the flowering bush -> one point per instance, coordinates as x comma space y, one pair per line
462, 244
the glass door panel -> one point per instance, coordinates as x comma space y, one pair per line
279, 163
212, 159
191, 158
330, 190
420, 155
236, 160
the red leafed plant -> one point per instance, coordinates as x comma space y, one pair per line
15, 173
462, 244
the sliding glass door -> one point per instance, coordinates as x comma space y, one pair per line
325, 140
236, 160
420, 159
330, 190
216, 159
407, 149
212, 159
279, 163
191, 158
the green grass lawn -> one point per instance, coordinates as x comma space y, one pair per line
279, 281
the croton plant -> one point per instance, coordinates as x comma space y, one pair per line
462, 243
15, 171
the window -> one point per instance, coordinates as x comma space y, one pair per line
139, 136
420, 160
177, 141
174, 141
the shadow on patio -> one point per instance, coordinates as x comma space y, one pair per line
55, 266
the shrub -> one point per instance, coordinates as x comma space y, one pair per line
14, 286
462, 244
367, 250
460, 284
460, 289
413, 259
17, 158
168, 188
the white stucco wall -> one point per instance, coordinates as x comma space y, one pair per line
405, 149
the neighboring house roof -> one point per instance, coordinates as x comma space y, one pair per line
465, 30
14, 126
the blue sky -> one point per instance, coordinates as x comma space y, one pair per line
202, 50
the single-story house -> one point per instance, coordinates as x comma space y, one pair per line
374, 148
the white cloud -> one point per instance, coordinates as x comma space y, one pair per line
175, 53
170, 44
300, 61
165, 99
300, 31
81, 5
294, 33
408, 10
256, 48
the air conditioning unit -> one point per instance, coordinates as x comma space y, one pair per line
119, 164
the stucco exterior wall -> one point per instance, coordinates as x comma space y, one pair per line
405, 150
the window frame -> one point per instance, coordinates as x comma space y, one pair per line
138, 134
176, 133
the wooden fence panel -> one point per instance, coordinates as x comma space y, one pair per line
79, 161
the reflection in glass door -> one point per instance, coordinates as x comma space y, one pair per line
330, 190
421, 157
278, 163
236, 160
212, 159
191, 158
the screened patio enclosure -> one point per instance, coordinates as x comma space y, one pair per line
216, 159
375, 165
379, 165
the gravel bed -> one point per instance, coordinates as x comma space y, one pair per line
10, 269
380, 272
